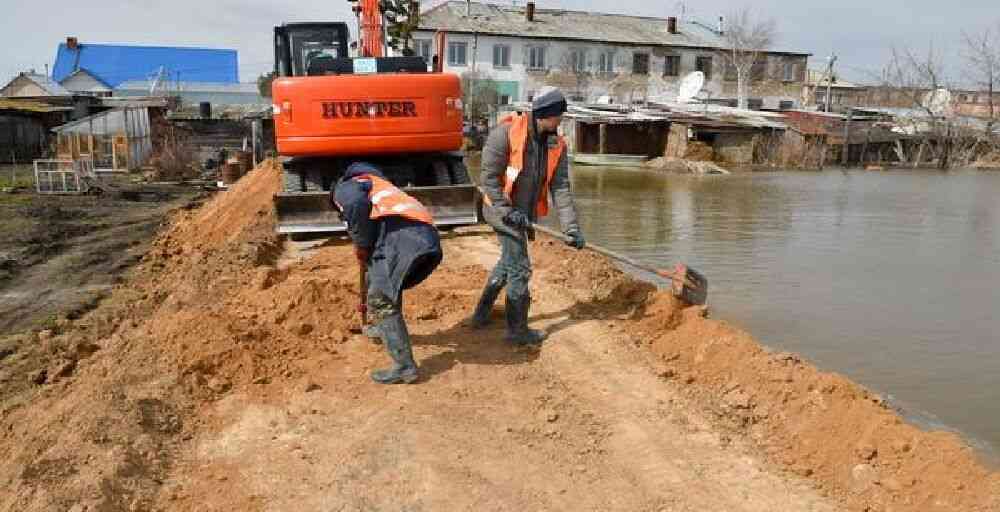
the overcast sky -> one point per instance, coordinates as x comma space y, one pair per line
859, 31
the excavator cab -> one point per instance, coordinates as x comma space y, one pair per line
301, 46
331, 110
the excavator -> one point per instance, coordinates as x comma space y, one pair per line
331, 109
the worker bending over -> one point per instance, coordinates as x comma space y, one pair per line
394, 236
524, 160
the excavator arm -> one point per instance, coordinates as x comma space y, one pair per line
371, 25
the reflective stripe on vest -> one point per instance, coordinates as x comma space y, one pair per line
518, 137
387, 200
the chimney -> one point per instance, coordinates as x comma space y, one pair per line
529, 11
72, 43
722, 26
672, 25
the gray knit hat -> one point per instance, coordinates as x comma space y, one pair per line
549, 102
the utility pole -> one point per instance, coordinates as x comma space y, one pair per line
829, 82
846, 153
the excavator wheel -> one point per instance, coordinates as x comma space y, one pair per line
302, 180
291, 181
442, 176
459, 172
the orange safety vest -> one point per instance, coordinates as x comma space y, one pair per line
518, 136
387, 200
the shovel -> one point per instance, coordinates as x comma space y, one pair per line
687, 284
363, 301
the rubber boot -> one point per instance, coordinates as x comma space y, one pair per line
397, 344
518, 332
373, 334
481, 318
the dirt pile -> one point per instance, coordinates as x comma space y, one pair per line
682, 166
205, 311
816, 424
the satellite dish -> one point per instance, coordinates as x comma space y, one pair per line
938, 102
690, 86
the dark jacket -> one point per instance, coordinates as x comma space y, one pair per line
403, 252
529, 182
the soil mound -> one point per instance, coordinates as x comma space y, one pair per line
206, 311
817, 424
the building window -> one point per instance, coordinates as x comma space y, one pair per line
606, 62
786, 105
536, 57
789, 74
501, 56
458, 54
504, 99
640, 63
578, 61
704, 64
423, 48
672, 65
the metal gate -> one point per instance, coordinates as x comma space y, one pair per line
62, 176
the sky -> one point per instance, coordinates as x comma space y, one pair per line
860, 32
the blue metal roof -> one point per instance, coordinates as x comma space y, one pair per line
114, 64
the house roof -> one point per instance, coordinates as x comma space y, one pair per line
84, 72
46, 83
35, 107
451, 16
114, 64
819, 78
193, 87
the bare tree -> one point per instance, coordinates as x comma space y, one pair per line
572, 75
480, 95
913, 79
746, 40
982, 55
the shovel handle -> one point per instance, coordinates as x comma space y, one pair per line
667, 274
363, 296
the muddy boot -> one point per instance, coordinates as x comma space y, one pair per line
518, 332
481, 318
372, 333
397, 344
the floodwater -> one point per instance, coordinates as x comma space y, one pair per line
891, 278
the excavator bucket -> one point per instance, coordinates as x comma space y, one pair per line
310, 212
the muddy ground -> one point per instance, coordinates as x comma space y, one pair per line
222, 375
59, 255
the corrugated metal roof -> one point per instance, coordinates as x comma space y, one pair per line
203, 87
30, 106
114, 64
564, 24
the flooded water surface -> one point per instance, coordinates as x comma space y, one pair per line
891, 278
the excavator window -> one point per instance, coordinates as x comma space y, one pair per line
301, 47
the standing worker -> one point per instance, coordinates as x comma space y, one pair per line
395, 238
524, 160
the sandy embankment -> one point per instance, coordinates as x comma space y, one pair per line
222, 376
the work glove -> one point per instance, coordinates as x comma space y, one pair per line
575, 240
517, 219
362, 254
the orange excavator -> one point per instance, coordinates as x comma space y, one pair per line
331, 110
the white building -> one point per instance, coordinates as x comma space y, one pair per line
590, 55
